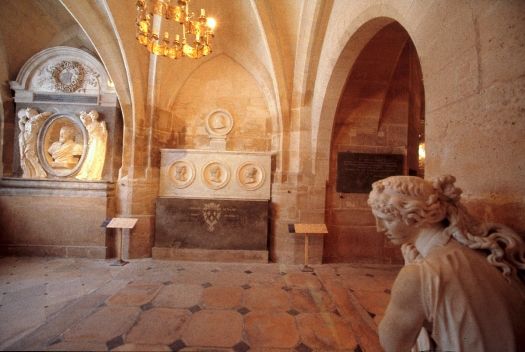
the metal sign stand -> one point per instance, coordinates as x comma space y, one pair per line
306, 230
121, 223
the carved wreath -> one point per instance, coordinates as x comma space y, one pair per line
68, 76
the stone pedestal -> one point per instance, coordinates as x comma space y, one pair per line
46, 217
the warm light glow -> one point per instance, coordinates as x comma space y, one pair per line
194, 40
421, 151
111, 84
211, 23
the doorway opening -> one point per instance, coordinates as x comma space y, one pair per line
380, 113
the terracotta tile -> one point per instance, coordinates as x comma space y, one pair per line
372, 301
326, 331
258, 298
267, 330
134, 295
104, 325
158, 326
311, 301
131, 347
228, 278
222, 297
303, 280
78, 346
213, 328
179, 296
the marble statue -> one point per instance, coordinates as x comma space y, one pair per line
93, 164
462, 287
29, 123
65, 152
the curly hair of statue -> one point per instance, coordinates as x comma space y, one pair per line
418, 201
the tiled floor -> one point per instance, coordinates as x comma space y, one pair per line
81, 304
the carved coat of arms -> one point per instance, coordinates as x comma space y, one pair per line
211, 213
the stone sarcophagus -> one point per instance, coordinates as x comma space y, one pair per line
213, 205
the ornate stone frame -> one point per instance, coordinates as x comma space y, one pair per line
41, 77
42, 133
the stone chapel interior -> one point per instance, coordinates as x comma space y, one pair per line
298, 106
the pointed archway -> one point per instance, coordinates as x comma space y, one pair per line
379, 112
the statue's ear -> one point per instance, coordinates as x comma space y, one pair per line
412, 220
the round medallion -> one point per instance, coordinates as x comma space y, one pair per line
215, 175
219, 123
250, 176
68, 76
182, 173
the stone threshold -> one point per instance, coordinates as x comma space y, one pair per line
93, 252
210, 255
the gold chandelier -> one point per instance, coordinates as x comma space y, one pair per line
196, 32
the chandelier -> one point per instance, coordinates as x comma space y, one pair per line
196, 32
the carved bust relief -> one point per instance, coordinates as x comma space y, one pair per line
250, 176
219, 123
182, 173
62, 145
215, 175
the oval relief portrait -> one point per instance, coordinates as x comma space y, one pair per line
182, 173
62, 144
250, 176
215, 175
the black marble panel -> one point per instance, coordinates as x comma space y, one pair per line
357, 171
211, 224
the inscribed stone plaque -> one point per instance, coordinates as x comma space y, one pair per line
357, 171
211, 224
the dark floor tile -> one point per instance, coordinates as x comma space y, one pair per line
177, 345
302, 348
195, 309
241, 347
243, 310
293, 312
146, 306
115, 342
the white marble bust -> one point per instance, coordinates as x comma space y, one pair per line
65, 152
460, 289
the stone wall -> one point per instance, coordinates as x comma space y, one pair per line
56, 218
229, 88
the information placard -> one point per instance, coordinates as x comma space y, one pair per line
122, 223
357, 171
310, 229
